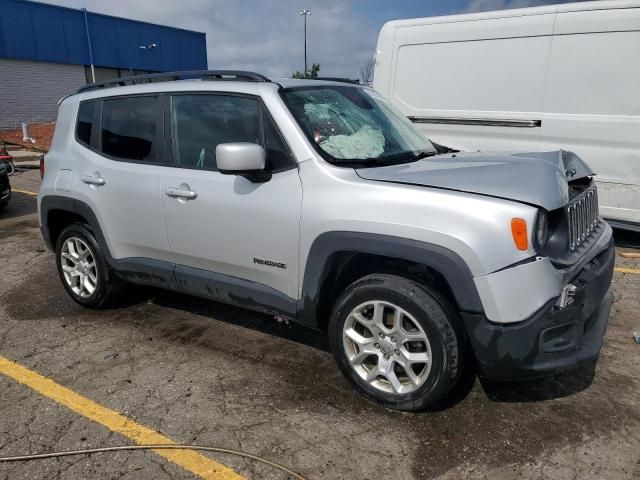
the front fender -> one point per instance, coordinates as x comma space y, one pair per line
446, 262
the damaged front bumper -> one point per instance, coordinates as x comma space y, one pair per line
552, 339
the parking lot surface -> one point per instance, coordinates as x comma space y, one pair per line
197, 372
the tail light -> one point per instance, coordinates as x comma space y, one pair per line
42, 167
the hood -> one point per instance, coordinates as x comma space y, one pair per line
538, 178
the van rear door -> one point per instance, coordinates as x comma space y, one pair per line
592, 101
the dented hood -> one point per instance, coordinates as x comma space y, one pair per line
538, 178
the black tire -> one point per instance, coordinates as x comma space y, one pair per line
435, 316
5, 202
108, 287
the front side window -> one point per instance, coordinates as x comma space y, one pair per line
278, 155
84, 126
352, 126
129, 128
199, 123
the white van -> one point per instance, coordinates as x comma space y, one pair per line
561, 76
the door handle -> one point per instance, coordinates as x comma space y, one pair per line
95, 179
181, 193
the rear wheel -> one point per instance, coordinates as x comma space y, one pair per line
82, 267
5, 201
9, 167
397, 342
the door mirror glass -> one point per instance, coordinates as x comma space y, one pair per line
245, 159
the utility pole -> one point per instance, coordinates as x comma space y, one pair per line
86, 26
305, 13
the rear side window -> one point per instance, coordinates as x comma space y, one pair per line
84, 127
199, 123
128, 129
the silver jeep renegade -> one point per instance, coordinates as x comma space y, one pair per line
318, 202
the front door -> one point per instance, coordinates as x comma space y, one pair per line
225, 224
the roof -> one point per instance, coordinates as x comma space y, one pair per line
251, 88
518, 12
213, 80
42, 32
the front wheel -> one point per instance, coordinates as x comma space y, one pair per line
398, 342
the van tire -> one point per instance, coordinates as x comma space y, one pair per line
419, 304
108, 288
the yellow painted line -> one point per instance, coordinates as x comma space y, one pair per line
627, 270
116, 422
26, 192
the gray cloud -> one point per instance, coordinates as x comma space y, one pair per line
266, 36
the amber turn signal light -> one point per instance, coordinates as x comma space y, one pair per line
519, 232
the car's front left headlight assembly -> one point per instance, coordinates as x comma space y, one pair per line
542, 229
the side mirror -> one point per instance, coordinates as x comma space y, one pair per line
245, 159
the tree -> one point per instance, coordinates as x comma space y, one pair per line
312, 73
366, 71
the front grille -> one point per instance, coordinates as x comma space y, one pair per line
583, 217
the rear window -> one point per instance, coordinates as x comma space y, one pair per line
128, 129
84, 127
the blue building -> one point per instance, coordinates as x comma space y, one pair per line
47, 52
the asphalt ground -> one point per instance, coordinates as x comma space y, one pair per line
173, 368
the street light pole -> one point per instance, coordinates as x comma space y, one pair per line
86, 26
305, 13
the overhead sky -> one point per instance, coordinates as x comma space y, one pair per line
267, 35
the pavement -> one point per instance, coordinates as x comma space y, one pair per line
24, 157
180, 369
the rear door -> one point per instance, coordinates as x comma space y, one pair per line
592, 102
120, 141
226, 224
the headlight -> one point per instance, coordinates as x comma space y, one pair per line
542, 229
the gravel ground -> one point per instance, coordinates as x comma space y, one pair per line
205, 373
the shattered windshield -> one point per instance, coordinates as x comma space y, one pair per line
351, 125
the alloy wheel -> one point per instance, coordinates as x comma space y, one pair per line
387, 347
79, 267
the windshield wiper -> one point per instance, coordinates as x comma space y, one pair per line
384, 161
422, 155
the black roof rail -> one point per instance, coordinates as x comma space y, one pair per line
173, 76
